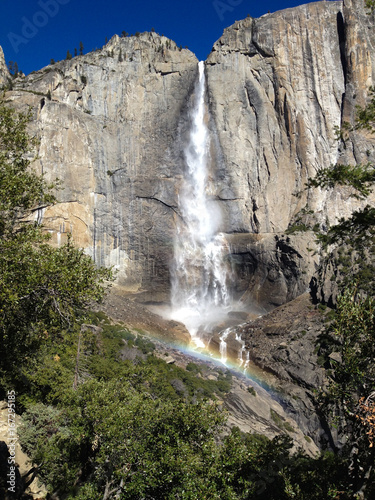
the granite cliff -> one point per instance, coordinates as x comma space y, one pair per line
112, 126
3, 69
108, 125
278, 88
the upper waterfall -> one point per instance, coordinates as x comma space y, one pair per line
200, 295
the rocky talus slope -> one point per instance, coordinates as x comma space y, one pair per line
250, 405
283, 348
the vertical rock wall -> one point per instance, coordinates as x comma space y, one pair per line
112, 123
4, 73
278, 88
108, 126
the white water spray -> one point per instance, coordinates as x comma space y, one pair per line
223, 345
200, 297
243, 354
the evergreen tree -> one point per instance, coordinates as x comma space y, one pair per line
13, 68
42, 289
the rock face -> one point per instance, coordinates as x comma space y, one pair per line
278, 86
358, 63
108, 124
4, 73
282, 348
113, 123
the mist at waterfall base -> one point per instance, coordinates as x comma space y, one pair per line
200, 274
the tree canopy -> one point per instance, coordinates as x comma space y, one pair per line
42, 289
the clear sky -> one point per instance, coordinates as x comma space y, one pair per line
32, 32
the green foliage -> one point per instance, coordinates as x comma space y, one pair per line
348, 247
98, 317
193, 367
20, 189
354, 239
108, 438
13, 69
281, 422
42, 290
45, 424
137, 432
256, 467
366, 116
251, 390
144, 345
346, 348
297, 228
352, 378
354, 332
370, 5
124, 440
302, 222
356, 231
360, 177
195, 387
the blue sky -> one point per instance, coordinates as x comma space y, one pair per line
34, 31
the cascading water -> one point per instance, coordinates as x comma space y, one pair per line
223, 345
200, 296
243, 354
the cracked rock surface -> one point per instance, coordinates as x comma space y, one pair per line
113, 125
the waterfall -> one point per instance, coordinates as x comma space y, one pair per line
200, 296
223, 345
243, 354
